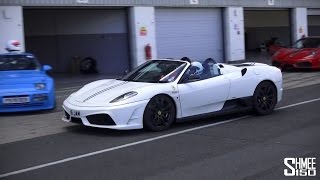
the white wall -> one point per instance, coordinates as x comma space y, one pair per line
11, 26
142, 17
313, 12
299, 23
234, 34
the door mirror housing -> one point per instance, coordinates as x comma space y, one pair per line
46, 67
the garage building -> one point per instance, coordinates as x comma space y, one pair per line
262, 25
314, 22
116, 33
60, 37
193, 32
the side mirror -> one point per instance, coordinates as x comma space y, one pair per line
243, 71
193, 77
47, 68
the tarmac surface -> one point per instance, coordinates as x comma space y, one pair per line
239, 146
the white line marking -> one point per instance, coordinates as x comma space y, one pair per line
115, 148
140, 142
297, 104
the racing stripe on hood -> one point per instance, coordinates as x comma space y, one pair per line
104, 90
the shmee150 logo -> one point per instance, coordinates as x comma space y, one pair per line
300, 166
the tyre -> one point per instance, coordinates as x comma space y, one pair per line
264, 98
159, 114
88, 65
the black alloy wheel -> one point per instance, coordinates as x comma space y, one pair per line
264, 98
159, 114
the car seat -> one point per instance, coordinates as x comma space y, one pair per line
212, 71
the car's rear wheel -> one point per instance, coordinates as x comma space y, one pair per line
264, 98
159, 114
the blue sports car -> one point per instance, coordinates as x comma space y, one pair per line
24, 84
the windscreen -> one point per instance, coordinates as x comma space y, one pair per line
156, 71
307, 43
18, 62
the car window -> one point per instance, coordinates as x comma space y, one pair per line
208, 70
156, 71
18, 62
307, 43
214, 71
173, 75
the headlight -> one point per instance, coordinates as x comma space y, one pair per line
311, 55
124, 96
40, 86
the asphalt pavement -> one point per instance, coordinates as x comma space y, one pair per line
238, 146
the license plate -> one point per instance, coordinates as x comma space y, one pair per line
75, 113
16, 100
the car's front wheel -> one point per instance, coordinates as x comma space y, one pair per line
264, 98
159, 114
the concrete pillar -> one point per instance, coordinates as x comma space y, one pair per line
299, 19
234, 34
142, 32
11, 26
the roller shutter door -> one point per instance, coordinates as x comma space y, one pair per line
196, 33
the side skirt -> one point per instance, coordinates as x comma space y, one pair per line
229, 107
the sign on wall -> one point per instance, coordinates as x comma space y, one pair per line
143, 31
271, 2
194, 1
83, 1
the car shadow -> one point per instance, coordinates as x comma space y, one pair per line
176, 127
193, 123
93, 131
29, 113
301, 70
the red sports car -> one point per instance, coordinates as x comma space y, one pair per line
273, 45
304, 54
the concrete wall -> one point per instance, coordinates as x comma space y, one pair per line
142, 18
56, 36
313, 12
234, 34
264, 24
299, 19
11, 26
171, 3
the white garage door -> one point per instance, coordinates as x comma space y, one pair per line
195, 33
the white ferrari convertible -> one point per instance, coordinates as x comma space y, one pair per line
161, 92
